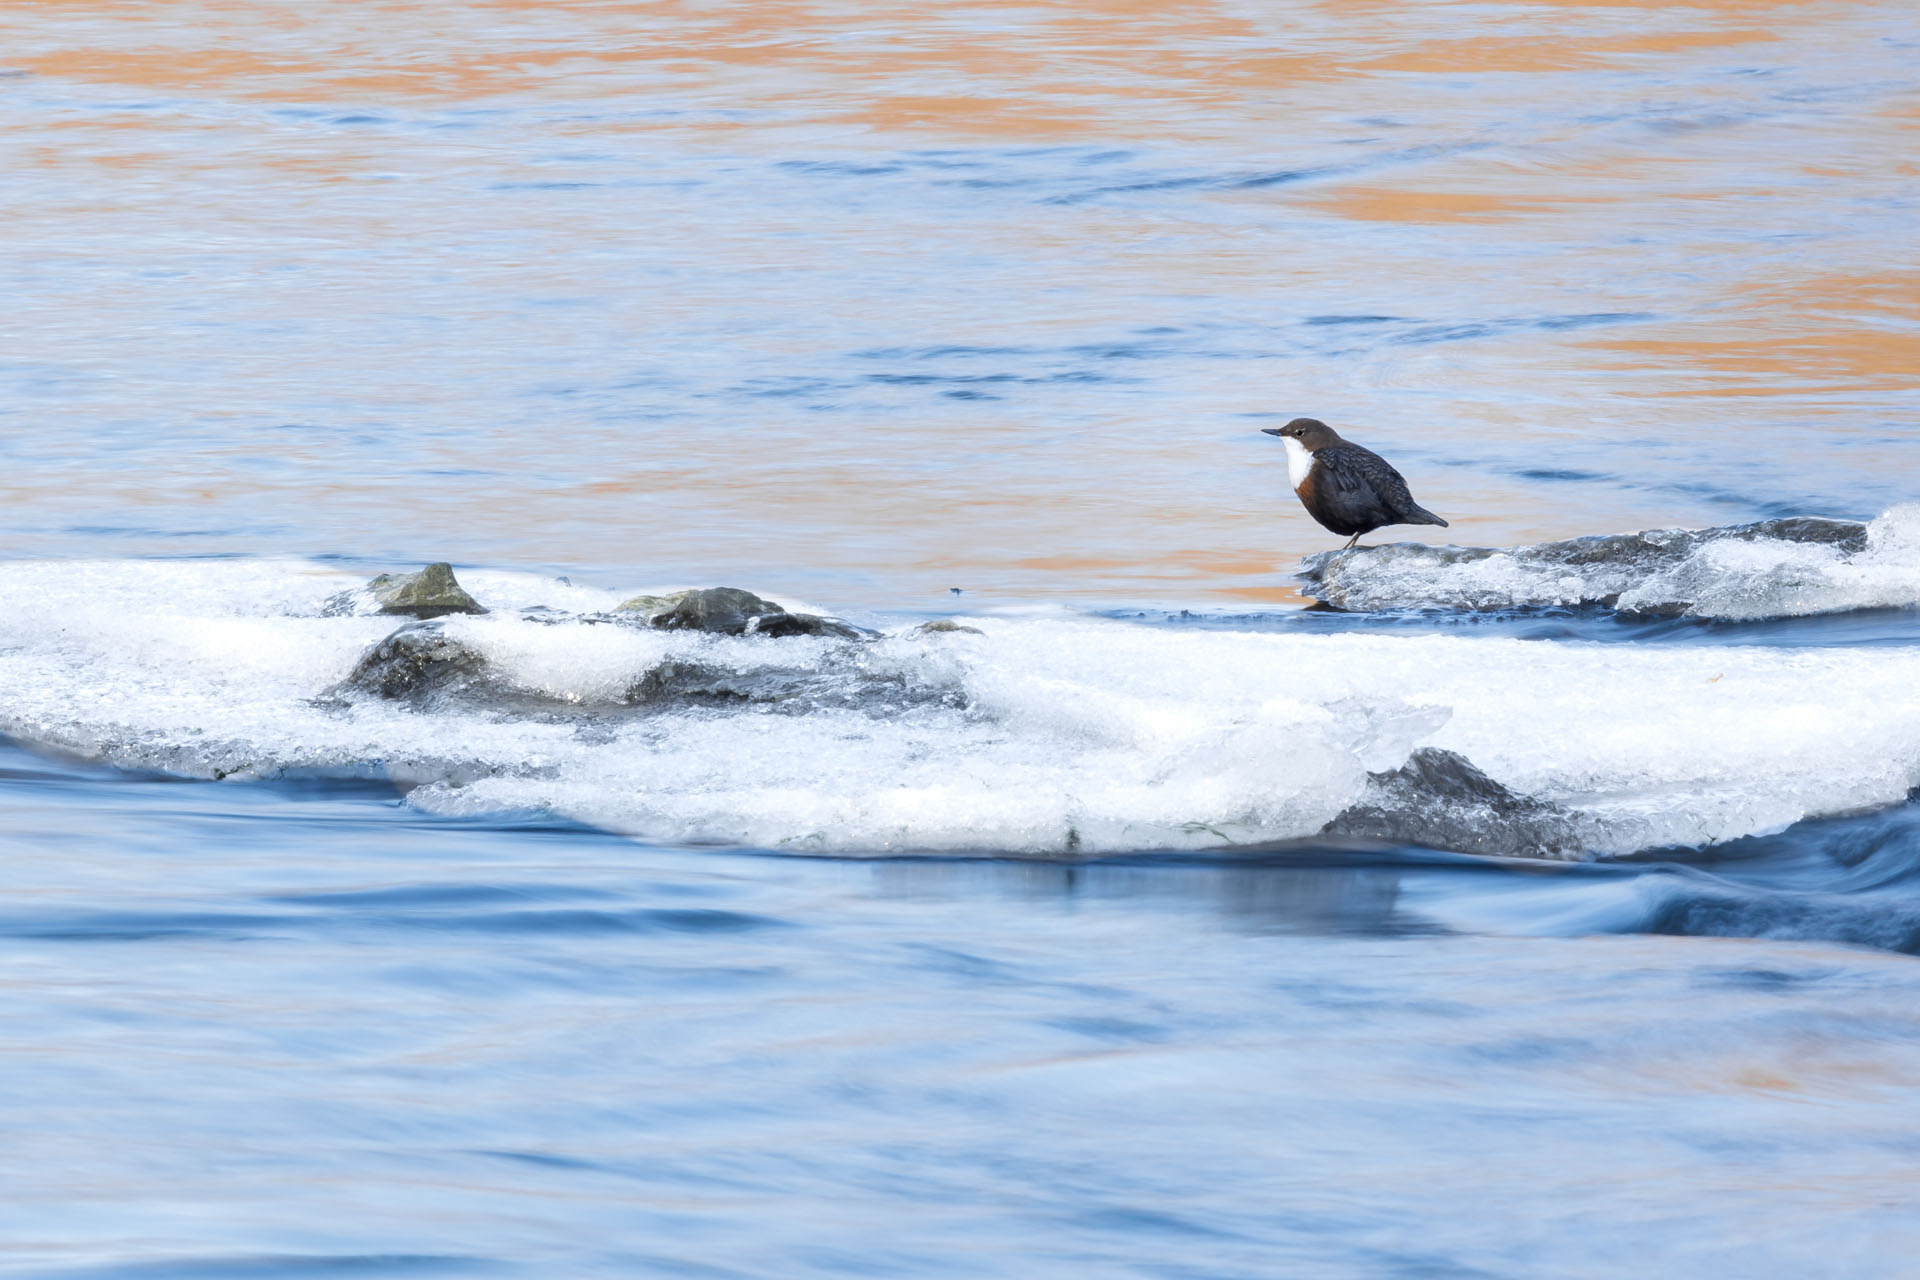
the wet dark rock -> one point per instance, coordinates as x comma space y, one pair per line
1439, 800
721, 610
420, 664
1596, 570
1659, 548
730, 611
423, 666
945, 627
430, 593
804, 624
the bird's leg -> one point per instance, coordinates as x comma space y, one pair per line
1350, 541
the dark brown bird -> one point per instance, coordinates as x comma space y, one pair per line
1346, 488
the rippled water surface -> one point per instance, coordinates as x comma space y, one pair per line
271, 1032
1548, 912
878, 302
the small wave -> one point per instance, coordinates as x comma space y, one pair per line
1682, 902
1847, 880
1891, 924
1784, 568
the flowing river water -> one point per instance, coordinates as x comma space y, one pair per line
1545, 913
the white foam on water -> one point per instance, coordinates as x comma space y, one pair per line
1045, 735
1726, 578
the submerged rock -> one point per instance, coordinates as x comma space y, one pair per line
846, 683
430, 593
678, 681
1438, 799
1659, 572
730, 611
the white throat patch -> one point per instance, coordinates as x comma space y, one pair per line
1299, 461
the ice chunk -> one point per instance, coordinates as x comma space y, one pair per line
1046, 735
1773, 569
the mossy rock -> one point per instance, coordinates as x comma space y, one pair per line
430, 593
651, 607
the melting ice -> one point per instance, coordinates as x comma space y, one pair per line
1774, 569
1041, 736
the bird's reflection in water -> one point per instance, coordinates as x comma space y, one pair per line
1263, 898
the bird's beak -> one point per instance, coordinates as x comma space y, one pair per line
1272, 431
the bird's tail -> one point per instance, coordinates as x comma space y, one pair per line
1420, 515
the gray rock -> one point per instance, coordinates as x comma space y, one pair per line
430, 593
1439, 800
945, 627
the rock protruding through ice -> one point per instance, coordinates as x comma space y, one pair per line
1440, 800
1035, 735
1773, 569
432, 592
730, 611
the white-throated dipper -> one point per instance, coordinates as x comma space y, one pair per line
1346, 488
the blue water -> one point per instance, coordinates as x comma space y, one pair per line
279, 1030
1020, 953
870, 308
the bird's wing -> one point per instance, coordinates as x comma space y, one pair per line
1352, 469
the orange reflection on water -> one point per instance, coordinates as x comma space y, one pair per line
1808, 361
1479, 167
1391, 204
982, 69
1814, 334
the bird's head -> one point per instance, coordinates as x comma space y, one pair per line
1310, 432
